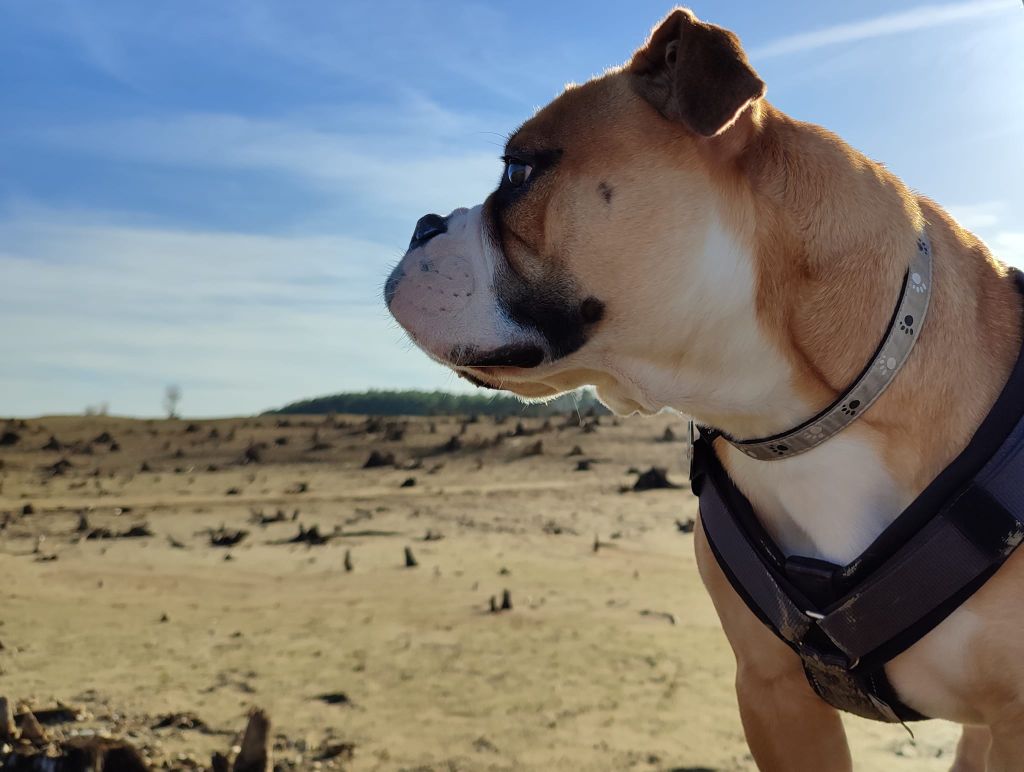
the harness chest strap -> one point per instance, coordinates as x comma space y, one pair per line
961, 529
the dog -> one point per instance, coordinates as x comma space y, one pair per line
664, 234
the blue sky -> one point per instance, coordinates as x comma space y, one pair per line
211, 193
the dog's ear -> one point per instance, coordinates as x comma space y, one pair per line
695, 73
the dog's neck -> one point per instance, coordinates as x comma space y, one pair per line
831, 236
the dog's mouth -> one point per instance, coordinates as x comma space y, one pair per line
523, 356
511, 379
494, 368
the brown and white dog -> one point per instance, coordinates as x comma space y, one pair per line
664, 234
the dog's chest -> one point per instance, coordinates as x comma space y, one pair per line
831, 503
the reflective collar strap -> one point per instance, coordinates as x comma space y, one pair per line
890, 356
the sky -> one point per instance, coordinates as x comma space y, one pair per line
211, 194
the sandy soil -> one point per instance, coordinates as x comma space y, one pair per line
609, 660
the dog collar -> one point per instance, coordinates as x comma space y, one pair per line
888, 359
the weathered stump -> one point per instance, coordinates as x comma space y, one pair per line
256, 754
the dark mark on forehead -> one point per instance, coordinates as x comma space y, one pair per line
606, 192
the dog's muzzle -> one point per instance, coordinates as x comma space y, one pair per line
443, 294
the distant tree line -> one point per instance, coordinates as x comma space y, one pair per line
415, 402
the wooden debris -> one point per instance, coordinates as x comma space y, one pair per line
378, 459
653, 479
224, 537
410, 561
685, 526
257, 517
256, 754
670, 618
348, 561
61, 714
310, 536
335, 698
140, 531
253, 453
452, 445
30, 729
184, 720
8, 729
534, 449
345, 751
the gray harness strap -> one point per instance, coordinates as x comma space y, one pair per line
908, 587
846, 622
897, 604
731, 543
830, 673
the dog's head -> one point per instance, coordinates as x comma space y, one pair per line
595, 259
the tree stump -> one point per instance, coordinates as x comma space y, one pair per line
256, 754
8, 729
31, 729
410, 560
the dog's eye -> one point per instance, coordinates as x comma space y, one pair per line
517, 172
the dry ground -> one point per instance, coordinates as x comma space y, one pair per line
575, 676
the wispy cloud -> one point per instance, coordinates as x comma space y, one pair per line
1008, 246
243, 322
978, 216
921, 17
989, 221
426, 159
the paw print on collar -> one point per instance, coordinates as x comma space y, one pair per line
778, 448
922, 246
907, 324
917, 283
851, 407
814, 433
886, 365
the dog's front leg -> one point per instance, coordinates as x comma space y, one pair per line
787, 726
1007, 751
972, 750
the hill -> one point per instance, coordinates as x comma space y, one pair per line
413, 402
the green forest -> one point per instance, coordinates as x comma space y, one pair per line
426, 403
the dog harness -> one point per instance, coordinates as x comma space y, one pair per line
847, 621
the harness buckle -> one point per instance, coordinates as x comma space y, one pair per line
830, 660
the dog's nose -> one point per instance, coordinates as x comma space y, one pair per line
428, 226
